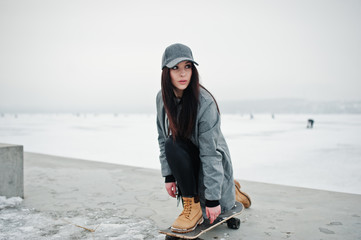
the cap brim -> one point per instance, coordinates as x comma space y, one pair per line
178, 60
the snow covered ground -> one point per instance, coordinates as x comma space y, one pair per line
17, 222
280, 150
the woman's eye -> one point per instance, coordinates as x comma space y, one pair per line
189, 66
175, 67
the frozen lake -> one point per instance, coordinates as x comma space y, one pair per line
280, 150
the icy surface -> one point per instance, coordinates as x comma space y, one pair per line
17, 222
280, 150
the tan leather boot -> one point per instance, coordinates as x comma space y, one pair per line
190, 217
242, 197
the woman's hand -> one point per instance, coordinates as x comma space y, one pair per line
213, 213
171, 189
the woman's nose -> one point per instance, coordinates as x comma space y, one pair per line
183, 72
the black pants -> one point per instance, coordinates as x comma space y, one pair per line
183, 159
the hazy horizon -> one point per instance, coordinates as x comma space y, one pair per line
105, 55
257, 106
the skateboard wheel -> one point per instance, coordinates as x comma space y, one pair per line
233, 223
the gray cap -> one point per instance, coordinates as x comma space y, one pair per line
175, 54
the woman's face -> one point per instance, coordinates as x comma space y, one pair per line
181, 76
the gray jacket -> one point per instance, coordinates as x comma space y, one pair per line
216, 172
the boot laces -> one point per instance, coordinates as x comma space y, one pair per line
187, 208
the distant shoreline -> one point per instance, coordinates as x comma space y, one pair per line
116, 114
256, 106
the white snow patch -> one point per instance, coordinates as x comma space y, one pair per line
9, 202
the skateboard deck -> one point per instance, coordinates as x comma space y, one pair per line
206, 226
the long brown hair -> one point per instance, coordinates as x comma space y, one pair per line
181, 125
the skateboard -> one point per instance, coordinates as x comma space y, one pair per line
228, 217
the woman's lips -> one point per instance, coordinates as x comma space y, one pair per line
182, 81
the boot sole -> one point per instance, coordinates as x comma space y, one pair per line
238, 186
176, 230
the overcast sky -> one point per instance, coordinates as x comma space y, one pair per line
106, 55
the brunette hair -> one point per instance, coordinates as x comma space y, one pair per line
181, 124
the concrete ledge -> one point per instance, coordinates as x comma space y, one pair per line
62, 185
11, 170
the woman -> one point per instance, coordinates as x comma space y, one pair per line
194, 156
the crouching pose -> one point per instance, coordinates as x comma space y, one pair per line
194, 156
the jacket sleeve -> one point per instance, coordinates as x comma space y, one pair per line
161, 138
211, 159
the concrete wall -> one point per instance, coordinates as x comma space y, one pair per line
11, 170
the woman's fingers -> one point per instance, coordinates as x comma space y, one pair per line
174, 189
171, 189
170, 192
213, 213
208, 215
211, 219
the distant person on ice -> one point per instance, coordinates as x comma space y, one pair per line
310, 123
194, 155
